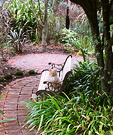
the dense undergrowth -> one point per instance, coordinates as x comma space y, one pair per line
83, 110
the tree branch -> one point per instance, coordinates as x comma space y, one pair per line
40, 12
35, 14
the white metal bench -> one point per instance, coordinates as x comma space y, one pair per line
63, 73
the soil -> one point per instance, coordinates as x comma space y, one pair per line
28, 49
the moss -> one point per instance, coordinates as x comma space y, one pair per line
19, 73
8, 76
1, 79
32, 72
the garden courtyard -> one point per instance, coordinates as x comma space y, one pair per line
34, 33
22, 89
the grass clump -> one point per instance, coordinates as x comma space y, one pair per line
1, 79
82, 111
8, 76
20, 73
32, 72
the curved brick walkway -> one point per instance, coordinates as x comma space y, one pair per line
39, 62
13, 108
22, 89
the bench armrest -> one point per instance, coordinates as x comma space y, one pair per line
55, 66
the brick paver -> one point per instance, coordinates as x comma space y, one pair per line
13, 108
22, 89
40, 61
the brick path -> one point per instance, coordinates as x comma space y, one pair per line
39, 62
13, 108
22, 89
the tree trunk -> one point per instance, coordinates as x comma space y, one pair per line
108, 47
90, 8
44, 30
67, 19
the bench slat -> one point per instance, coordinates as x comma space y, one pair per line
65, 69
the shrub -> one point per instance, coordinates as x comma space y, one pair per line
22, 16
64, 115
17, 40
81, 43
1, 79
8, 76
84, 111
85, 77
19, 73
32, 72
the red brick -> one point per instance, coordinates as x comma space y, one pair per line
21, 105
2, 133
14, 131
11, 123
26, 92
10, 107
24, 98
22, 113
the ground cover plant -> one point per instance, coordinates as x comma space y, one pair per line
82, 110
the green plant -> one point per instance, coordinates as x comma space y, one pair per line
32, 72
85, 78
17, 40
68, 37
83, 28
1, 79
8, 76
81, 43
55, 25
63, 115
22, 16
84, 43
19, 73
83, 110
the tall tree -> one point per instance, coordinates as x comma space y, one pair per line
105, 43
44, 30
43, 24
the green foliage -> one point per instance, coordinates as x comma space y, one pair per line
83, 28
17, 40
80, 42
32, 72
68, 37
61, 115
8, 76
84, 111
23, 16
84, 43
19, 73
55, 26
1, 79
85, 79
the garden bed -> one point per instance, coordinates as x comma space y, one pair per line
5, 69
